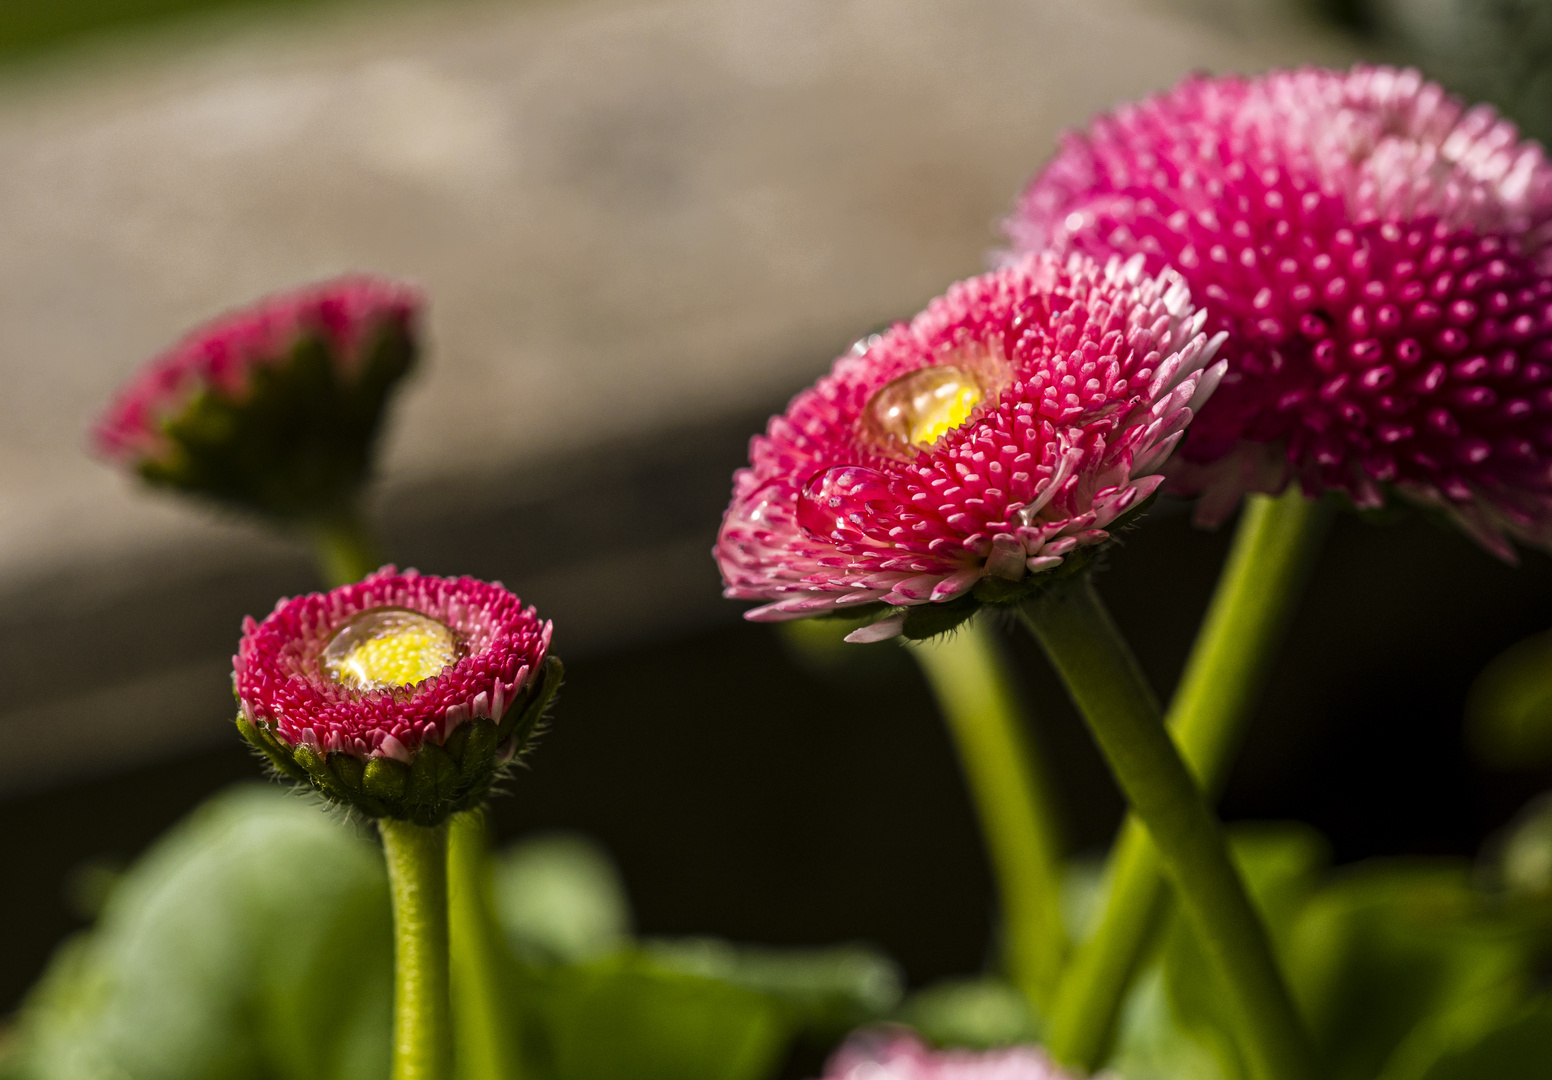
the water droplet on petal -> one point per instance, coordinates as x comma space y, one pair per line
834, 503
920, 408
389, 647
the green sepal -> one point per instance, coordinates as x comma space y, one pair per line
261, 741
350, 770
386, 778
479, 750
924, 621
318, 771
520, 723
298, 443
433, 777
439, 780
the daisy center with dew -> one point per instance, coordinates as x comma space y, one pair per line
920, 408
386, 648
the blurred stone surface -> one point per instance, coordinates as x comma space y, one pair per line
641, 225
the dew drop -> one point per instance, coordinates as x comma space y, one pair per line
389, 647
920, 408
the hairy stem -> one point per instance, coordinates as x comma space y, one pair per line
417, 882
484, 1037
1275, 548
1012, 798
1104, 680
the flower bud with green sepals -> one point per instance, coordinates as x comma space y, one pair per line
274, 409
402, 696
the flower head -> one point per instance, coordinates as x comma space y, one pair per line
955, 459
891, 1054
1381, 258
273, 409
401, 694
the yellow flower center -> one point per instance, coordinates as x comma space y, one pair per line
920, 408
388, 647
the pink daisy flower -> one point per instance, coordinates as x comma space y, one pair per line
401, 694
1380, 256
954, 459
273, 408
889, 1054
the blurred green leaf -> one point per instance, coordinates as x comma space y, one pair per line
1397, 960
560, 899
1509, 708
251, 941
978, 1013
1518, 861
1519, 1048
823, 992
1283, 864
627, 1018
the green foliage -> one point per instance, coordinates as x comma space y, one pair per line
822, 993
627, 1018
1404, 971
560, 900
1509, 710
979, 1013
253, 943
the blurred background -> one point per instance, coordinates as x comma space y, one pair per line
643, 225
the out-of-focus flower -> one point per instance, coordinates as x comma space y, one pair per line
890, 1054
273, 409
954, 460
1381, 258
402, 695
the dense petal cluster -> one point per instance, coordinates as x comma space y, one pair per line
1006, 426
895, 1055
282, 683
221, 356
1381, 258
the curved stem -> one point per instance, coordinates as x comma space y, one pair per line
485, 1038
343, 548
1104, 680
417, 883
1012, 798
1275, 548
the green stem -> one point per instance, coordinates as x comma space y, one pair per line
417, 883
344, 548
1012, 797
484, 1035
1104, 680
1275, 547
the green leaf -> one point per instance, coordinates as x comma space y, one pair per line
824, 993
1397, 959
1519, 1048
626, 1018
1282, 864
1509, 708
560, 899
251, 941
978, 1013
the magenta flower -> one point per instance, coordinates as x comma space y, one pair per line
273, 409
1379, 256
401, 694
953, 460
890, 1054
